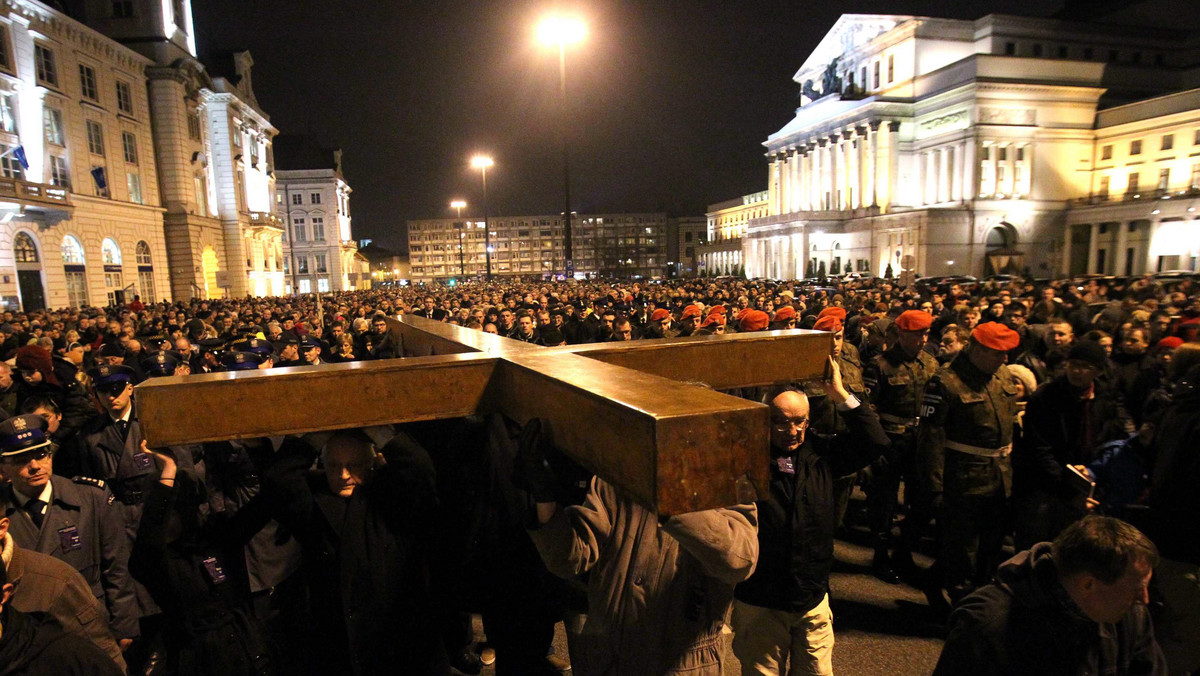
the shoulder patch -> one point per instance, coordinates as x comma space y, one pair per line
89, 481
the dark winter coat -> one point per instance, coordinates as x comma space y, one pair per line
1024, 623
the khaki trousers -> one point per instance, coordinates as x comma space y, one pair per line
769, 641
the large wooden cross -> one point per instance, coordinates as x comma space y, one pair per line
625, 411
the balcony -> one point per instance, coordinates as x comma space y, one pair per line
263, 219
37, 195
1095, 199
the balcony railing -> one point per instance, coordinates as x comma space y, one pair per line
49, 195
1136, 196
265, 220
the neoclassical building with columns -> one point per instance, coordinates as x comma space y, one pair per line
966, 147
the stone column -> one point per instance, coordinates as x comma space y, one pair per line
1093, 248
970, 171
773, 184
1118, 265
1065, 270
956, 187
893, 171
834, 167
873, 175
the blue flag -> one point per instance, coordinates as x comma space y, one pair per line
98, 177
19, 153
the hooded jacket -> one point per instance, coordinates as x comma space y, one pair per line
1025, 623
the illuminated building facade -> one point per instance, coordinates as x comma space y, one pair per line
965, 147
721, 251
79, 216
607, 245
312, 200
212, 143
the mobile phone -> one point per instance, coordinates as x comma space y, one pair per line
1081, 481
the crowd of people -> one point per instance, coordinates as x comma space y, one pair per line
1034, 439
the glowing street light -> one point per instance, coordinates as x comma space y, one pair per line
561, 31
482, 162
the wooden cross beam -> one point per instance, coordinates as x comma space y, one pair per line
625, 411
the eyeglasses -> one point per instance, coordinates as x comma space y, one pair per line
787, 425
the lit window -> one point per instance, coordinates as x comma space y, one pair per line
110, 253
87, 83
129, 142
47, 72
52, 122
95, 137
72, 251
124, 98
134, 182
59, 174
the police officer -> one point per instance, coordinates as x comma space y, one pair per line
897, 378
205, 357
964, 443
288, 348
69, 519
165, 363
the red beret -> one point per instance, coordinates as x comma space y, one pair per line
1170, 343
913, 320
996, 336
659, 315
828, 323
690, 311
833, 311
753, 320
785, 313
717, 310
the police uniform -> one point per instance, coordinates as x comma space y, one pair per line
897, 383
76, 525
963, 450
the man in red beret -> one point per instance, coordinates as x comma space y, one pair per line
834, 311
826, 417
897, 378
785, 318
753, 320
689, 320
963, 447
660, 324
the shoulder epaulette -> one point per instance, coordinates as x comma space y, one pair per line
89, 481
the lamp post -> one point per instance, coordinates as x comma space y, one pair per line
561, 31
482, 162
458, 205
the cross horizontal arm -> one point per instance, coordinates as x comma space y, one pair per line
721, 362
238, 405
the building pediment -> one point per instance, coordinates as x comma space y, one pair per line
850, 32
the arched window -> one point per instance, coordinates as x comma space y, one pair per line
24, 250
72, 251
110, 253
143, 254
1003, 236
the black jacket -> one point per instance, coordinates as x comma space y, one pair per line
1025, 623
1053, 435
796, 523
35, 645
364, 560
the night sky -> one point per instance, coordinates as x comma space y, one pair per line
670, 100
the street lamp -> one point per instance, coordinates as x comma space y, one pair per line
458, 205
482, 162
562, 31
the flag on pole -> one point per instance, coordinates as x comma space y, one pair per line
19, 153
98, 177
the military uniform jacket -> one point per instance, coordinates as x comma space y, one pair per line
82, 529
897, 385
826, 418
46, 585
966, 430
